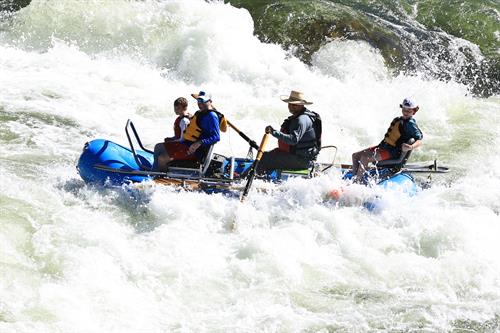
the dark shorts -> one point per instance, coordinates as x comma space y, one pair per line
390, 151
280, 160
178, 151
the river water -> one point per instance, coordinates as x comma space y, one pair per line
77, 258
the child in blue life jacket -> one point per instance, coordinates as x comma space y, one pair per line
401, 130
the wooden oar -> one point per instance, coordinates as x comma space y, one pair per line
251, 174
252, 143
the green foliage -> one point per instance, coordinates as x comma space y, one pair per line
408, 33
473, 20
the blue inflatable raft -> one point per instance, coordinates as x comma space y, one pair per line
107, 163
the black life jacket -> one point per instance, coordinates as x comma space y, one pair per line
317, 126
309, 148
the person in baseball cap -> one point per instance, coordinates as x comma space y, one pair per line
397, 140
201, 133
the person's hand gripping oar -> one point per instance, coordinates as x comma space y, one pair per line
253, 168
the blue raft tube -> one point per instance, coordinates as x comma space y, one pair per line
100, 154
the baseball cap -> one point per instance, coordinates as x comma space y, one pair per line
202, 96
408, 103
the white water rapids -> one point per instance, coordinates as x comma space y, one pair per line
76, 258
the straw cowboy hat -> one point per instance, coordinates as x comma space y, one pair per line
295, 97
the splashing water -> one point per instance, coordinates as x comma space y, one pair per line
75, 258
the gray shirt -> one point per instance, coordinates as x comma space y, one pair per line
301, 134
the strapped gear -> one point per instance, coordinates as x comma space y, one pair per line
317, 126
309, 148
193, 131
393, 133
396, 134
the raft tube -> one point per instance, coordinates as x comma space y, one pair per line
99, 155
104, 153
402, 182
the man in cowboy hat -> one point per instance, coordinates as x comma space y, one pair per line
298, 139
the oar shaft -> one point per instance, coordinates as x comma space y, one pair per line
263, 143
243, 135
251, 174
422, 168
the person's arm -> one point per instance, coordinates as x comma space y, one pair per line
172, 138
210, 125
416, 134
405, 147
299, 127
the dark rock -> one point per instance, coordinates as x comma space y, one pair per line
13, 5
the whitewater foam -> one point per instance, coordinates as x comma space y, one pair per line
75, 258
